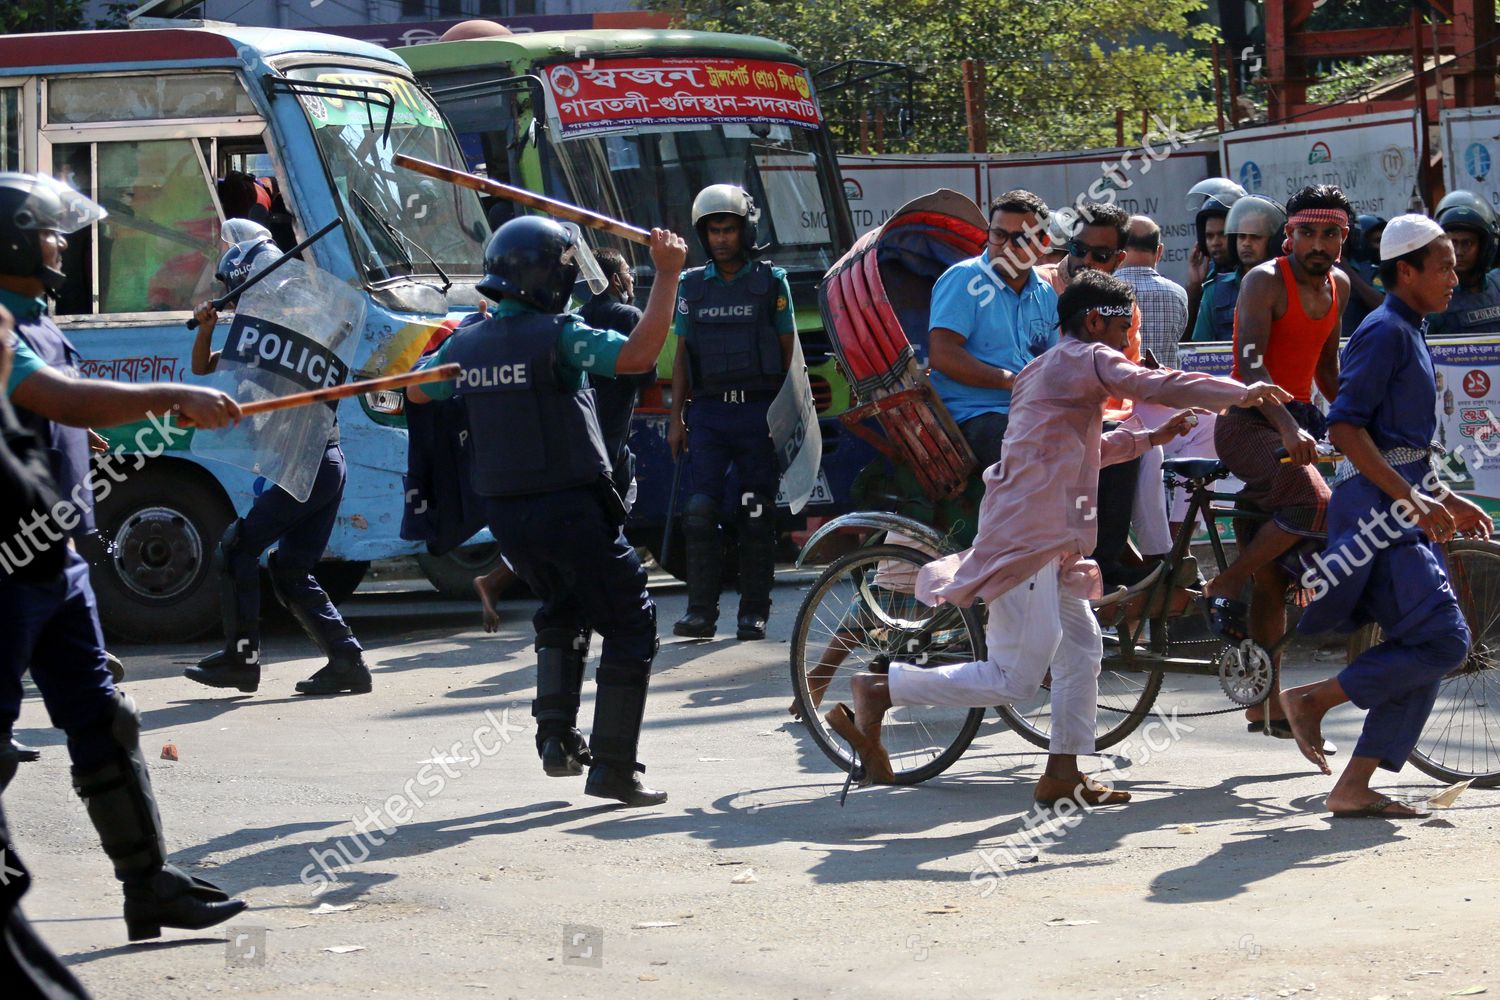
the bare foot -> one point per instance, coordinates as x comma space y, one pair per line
491, 616
869, 705
1083, 790
1256, 713
1365, 803
1306, 721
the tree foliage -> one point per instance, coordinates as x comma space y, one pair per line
19, 16
1056, 73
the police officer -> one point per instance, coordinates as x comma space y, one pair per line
1210, 201
1255, 229
1472, 226
52, 625
302, 527
538, 462
734, 317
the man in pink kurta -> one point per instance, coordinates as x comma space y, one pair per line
1036, 524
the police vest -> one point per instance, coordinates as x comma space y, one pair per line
67, 447
1473, 312
529, 433
732, 341
1226, 296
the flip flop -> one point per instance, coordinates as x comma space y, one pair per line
1282, 730
1227, 617
876, 761
1377, 810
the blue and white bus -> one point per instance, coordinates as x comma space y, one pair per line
173, 131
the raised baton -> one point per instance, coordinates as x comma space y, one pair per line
560, 209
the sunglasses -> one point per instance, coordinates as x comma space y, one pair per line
1101, 255
1015, 239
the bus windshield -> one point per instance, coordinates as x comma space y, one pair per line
649, 176
399, 219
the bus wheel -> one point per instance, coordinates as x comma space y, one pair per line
453, 573
156, 582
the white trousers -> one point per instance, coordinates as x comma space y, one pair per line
1032, 628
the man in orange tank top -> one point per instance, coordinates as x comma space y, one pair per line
1286, 330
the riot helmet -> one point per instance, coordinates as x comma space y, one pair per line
726, 199
1221, 189
251, 248
533, 260
1359, 249
1469, 211
29, 205
1213, 198
1255, 215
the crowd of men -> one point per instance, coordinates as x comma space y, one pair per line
1064, 383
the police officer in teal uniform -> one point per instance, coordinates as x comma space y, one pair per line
539, 465
1473, 228
50, 625
735, 329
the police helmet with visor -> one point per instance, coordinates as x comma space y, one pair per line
532, 260
31, 204
1469, 211
1255, 215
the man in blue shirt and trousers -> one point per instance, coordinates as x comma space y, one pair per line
1388, 521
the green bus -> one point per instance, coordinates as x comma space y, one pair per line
633, 124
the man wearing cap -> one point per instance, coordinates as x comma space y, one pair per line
1388, 521
302, 528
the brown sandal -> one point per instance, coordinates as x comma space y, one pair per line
877, 763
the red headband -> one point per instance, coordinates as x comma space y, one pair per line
1320, 215
1316, 216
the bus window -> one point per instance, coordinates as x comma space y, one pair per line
139, 98
157, 250
10, 128
248, 189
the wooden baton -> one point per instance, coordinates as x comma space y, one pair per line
561, 209
442, 373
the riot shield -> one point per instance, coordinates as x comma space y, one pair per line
297, 330
793, 422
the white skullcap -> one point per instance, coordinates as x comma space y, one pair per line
1406, 233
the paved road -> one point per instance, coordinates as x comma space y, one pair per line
1223, 879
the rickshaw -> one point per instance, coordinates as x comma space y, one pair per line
862, 611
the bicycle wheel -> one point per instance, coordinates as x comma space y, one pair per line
1125, 699
862, 606
1461, 739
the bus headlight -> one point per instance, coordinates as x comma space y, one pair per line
389, 402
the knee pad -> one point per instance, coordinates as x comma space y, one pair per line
288, 583
757, 507
701, 513
231, 548
125, 727
576, 640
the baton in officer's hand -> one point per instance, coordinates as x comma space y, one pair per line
245, 285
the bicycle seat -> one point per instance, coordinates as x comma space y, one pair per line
1195, 469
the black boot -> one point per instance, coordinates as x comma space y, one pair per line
237, 665
560, 655
705, 552
757, 564
345, 672
299, 593
618, 710
122, 808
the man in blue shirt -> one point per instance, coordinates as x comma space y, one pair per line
1388, 520
1474, 230
989, 316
